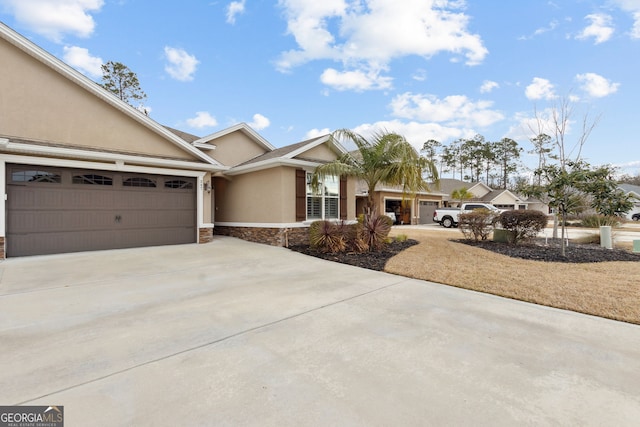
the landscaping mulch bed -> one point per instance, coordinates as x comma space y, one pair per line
371, 260
539, 250
536, 250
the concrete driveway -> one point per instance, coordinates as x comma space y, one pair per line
235, 333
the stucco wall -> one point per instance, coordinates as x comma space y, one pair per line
321, 152
236, 148
266, 196
38, 103
505, 199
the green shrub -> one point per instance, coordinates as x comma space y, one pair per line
597, 221
524, 224
402, 238
476, 224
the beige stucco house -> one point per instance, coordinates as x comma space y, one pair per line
503, 199
408, 208
82, 170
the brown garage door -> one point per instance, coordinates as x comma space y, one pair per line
55, 210
427, 209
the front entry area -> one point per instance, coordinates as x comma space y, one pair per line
57, 210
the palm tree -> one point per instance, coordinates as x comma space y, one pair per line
386, 158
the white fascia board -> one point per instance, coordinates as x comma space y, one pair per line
271, 163
417, 193
80, 164
306, 147
321, 140
43, 150
81, 80
204, 146
239, 127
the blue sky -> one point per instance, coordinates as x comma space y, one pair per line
428, 69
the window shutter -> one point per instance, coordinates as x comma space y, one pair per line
301, 195
343, 197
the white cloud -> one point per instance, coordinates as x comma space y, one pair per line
55, 18
632, 7
202, 120
79, 58
600, 28
354, 80
528, 126
540, 89
596, 85
552, 26
260, 122
488, 86
453, 110
415, 132
635, 31
235, 8
314, 133
367, 35
420, 75
181, 66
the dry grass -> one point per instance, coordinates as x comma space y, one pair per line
606, 289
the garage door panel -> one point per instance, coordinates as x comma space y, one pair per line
46, 218
35, 198
82, 198
52, 243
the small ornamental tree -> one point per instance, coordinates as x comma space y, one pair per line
477, 224
523, 224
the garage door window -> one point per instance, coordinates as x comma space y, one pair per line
92, 179
178, 184
35, 176
138, 181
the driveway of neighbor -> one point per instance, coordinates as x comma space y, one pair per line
236, 333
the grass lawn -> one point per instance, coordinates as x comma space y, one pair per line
605, 289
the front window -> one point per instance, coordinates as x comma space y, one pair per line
323, 203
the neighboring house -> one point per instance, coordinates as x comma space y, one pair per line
633, 191
503, 199
83, 170
266, 195
408, 208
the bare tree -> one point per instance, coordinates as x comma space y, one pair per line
558, 184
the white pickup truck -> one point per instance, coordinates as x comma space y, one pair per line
448, 217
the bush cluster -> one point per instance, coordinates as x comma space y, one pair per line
597, 221
369, 233
524, 224
477, 224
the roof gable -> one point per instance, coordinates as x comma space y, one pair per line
240, 127
292, 155
74, 84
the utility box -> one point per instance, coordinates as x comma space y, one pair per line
636, 246
606, 240
503, 236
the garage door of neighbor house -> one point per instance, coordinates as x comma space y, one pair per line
55, 210
427, 209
